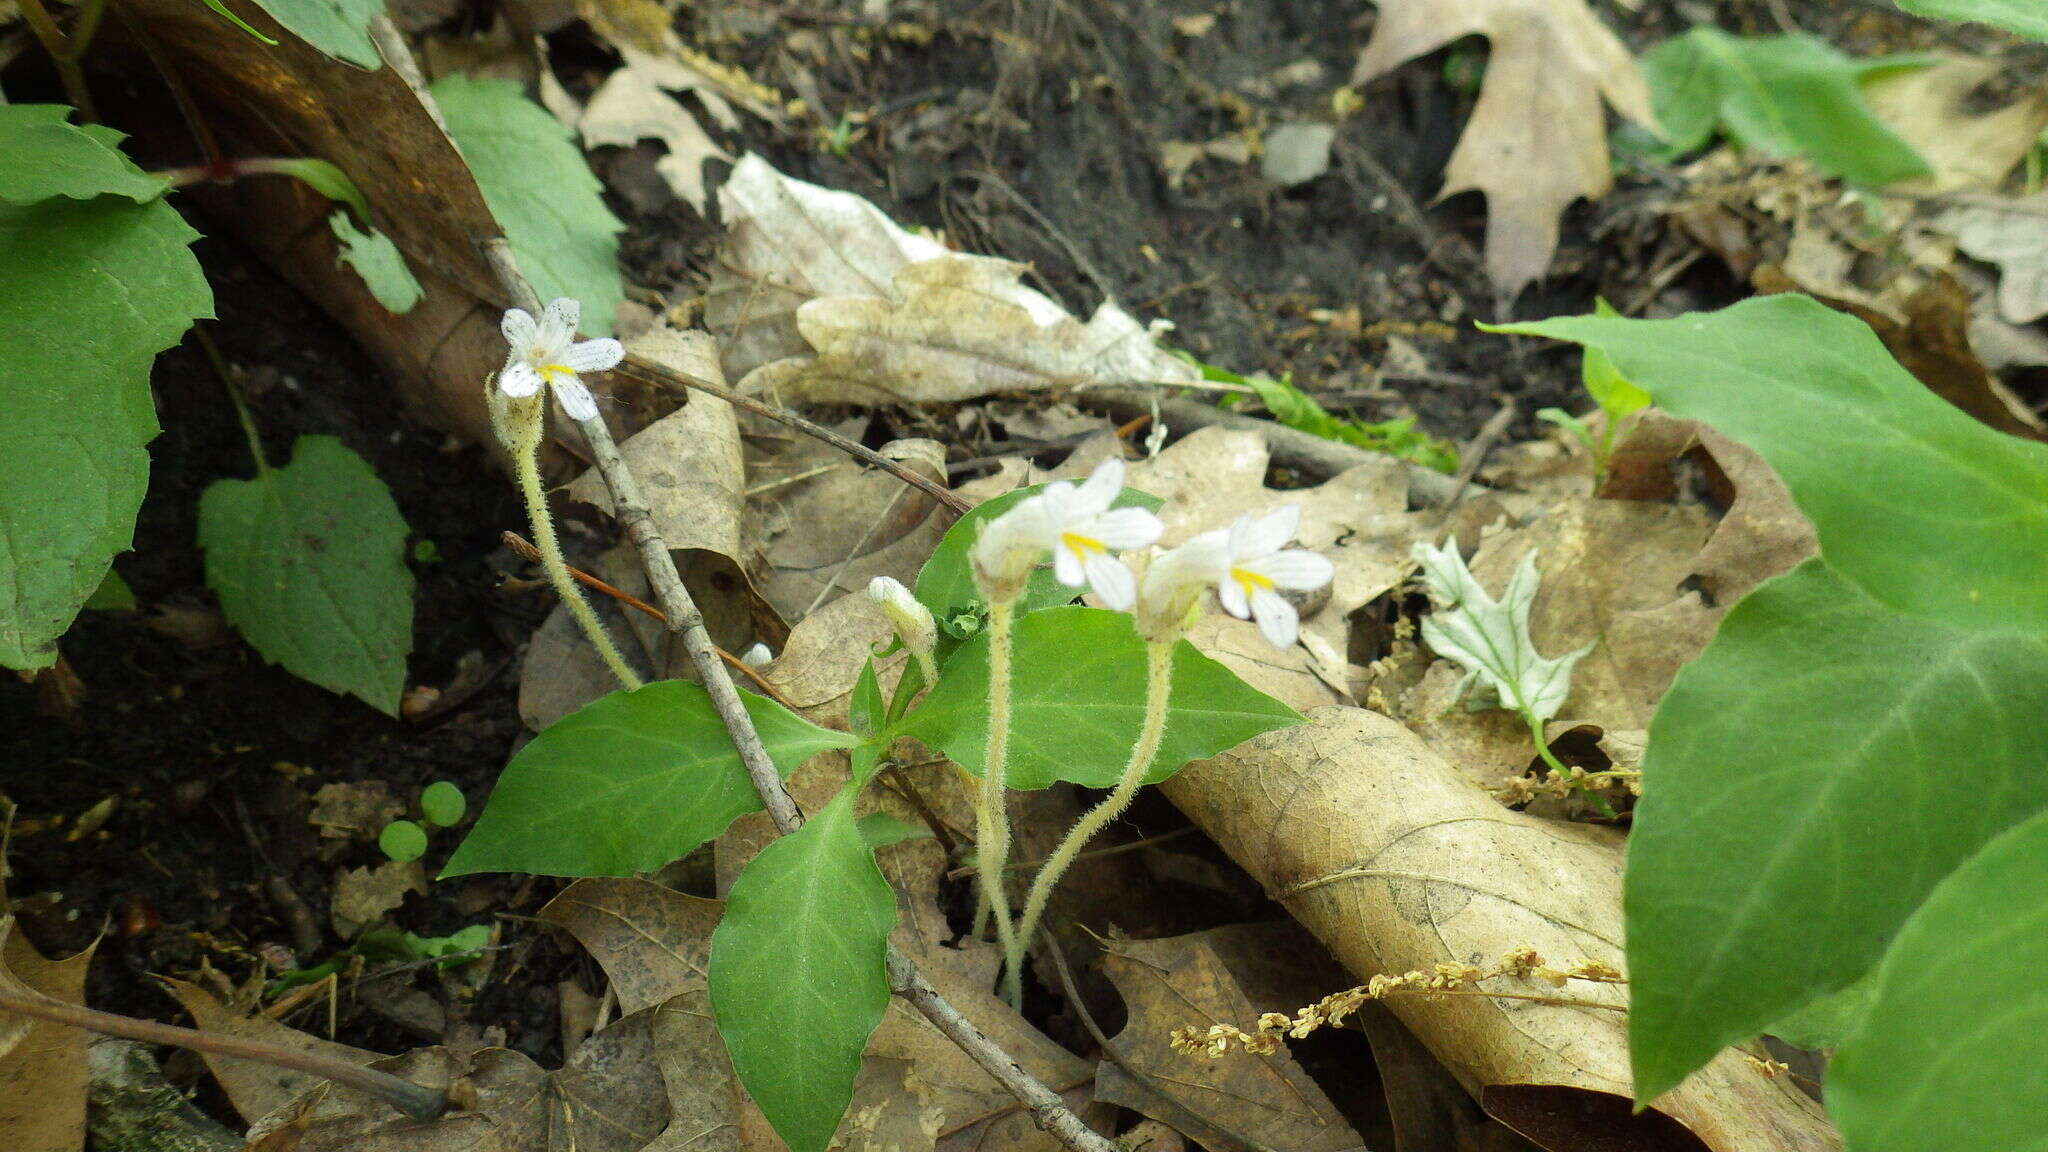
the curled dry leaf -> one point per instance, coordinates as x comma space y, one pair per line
1537, 139
2011, 234
819, 297
1938, 110
42, 1065
256, 1089
609, 1098
363, 895
1234, 1103
1397, 863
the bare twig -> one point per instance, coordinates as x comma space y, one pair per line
685, 622
641, 368
1291, 447
415, 1100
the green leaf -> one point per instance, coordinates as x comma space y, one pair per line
797, 975
881, 829
1397, 437
1810, 778
1605, 383
403, 840
1949, 1057
46, 156
628, 783
442, 803
946, 582
1779, 95
113, 595
309, 563
1889, 473
865, 711
377, 260
535, 181
340, 28
2020, 17
1826, 1022
1077, 700
90, 292
237, 21
322, 177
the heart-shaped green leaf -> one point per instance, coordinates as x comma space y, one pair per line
627, 783
1077, 699
798, 981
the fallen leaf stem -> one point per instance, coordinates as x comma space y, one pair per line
1158, 692
64, 51
415, 1100
1048, 1111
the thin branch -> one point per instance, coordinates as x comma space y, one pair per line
685, 622
415, 1100
661, 375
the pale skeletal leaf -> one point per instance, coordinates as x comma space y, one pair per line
1490, 638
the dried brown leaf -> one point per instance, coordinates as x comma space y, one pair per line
256, 1089
609, 1098
43, 1071
363, 895
1537, 139
1397, 863
1938, 110
1239, 1101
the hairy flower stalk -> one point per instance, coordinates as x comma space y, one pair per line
1080, 530
1244, 564
547, 352
912, 621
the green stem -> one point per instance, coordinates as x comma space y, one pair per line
1158, 688
1598, 801
64, 54
991, 818
234, 390
527, 464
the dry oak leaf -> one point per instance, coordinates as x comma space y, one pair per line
1537, 139
42, 1065
609, 1098
1396, 862
254, 1088
1232, 1103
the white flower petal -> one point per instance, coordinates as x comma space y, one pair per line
558, 323
1253, 536
1278, 622
1067, 567
576, 399
519, 379
1121, 528
1103, 486
1055, 502
1112, 581
1231, 594
1295, 568
594, 355
519, 328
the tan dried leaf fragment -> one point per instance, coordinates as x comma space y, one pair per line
1537, 139
42, 1065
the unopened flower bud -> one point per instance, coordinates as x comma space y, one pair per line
912, 620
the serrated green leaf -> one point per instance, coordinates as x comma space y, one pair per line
1077, 699
377, 260
47, 156
1950, 1055
535, 182
309, 563
946, 582
628, 783
1780, 95
2020, 17
797, 975
1810, 778
1890, 474
90, 292
340, 28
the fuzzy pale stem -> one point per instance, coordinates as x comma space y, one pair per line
991, 818
1158, 687
519, 426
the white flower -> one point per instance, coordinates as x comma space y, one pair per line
547, 352
1176, 582
757, 656
912, 620
1258, 564
1078, 527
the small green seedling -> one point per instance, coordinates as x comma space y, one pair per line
403, 840
1609, 389
443, 804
